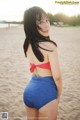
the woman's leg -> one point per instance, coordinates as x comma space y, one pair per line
49, 111
32, 113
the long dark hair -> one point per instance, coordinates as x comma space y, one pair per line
33, 37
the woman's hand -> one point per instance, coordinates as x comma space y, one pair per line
58, 99
59, 88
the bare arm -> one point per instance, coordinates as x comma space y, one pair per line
55, 68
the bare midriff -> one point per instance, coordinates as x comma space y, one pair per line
41, 72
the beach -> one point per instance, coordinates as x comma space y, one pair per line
15, 74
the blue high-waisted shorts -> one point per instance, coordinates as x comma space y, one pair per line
39, 91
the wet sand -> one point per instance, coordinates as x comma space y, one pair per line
15, 74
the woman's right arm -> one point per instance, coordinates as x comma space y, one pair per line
55, 67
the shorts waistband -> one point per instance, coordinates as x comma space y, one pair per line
43, 77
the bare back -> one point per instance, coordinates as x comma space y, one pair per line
32, 59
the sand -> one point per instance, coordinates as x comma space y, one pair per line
15, 74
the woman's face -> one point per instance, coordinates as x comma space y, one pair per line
43, 26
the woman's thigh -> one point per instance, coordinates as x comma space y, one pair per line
49, 111
32, 113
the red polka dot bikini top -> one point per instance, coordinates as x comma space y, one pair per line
44, 66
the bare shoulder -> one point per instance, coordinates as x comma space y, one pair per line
48, 45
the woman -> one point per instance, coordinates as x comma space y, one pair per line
41, 95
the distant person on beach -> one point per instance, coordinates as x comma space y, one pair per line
42, 94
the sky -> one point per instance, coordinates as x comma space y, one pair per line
13, 10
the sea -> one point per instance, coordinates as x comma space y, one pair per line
6, 25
